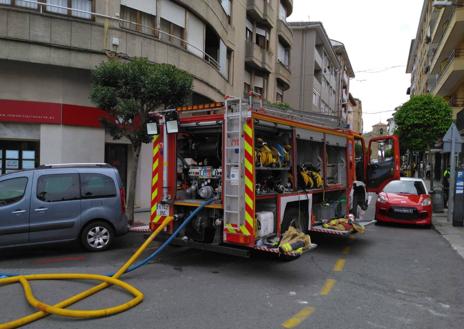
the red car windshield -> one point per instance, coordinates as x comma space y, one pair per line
405, 187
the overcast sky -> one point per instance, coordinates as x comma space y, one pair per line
377, 36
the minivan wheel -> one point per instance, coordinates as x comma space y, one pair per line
97, 236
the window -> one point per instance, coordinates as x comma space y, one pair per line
226, 5
84, 5
408, 187
15, 156
282, 12
279, 96
12, 190
138, 21
97, 186
57, 10
246, 89
26, 4
173, 33
262, 38
249, 31
283, 54
58, 187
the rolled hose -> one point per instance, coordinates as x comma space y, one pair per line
108, 280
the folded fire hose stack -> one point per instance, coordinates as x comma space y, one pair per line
107, 281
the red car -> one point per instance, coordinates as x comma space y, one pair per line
404, 201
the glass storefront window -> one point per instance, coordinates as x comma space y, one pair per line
15, 156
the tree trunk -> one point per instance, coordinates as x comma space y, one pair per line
132, 183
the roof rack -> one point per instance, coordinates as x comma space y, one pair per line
73, 165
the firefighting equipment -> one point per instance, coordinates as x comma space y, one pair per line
265, 156
295, 241
310, 178
341, 224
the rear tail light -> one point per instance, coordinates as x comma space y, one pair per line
122, 194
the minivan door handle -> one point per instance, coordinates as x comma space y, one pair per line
17, 212
40, 209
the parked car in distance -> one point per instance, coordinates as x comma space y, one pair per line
65, 202
404, 201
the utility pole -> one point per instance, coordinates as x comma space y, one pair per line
452, 183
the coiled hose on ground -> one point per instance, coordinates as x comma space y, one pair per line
107, 280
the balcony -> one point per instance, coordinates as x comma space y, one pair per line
284, 31
288, 4
283, 74
448, 36
262, 12
258, 57
318, 58
450, 73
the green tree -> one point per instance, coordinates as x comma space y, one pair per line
422, 121
128, 92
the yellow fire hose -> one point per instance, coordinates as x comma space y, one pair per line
60, 308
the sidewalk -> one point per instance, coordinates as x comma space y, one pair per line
141, 221
454, 235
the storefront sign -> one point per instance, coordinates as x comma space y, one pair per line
50, 113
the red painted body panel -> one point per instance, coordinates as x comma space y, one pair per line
384, 210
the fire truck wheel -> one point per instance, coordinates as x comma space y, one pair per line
288, 258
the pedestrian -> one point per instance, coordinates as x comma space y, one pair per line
446, 187
428, 169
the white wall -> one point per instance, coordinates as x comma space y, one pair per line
65, 144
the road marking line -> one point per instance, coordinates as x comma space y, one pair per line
298, 317
346, 250
339, 265
328, 285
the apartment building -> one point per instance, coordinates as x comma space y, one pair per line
344, 75
436, 57
49, 47
321, 71
354, 118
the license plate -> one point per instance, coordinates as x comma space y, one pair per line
162, 209
404, 210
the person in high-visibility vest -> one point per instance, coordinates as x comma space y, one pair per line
446, 187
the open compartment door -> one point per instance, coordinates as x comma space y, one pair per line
383, 162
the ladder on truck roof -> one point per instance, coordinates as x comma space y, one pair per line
308, 117
234, 119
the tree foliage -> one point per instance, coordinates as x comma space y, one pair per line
128, 92
422, 121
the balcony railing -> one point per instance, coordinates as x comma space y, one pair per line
457, 102
156, 33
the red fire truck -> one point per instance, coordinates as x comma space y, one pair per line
267, 168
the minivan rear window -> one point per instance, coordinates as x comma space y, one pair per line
58, 187
97, 186
12, 190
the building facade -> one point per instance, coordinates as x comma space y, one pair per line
343, 80
354, 114
48, 49
315, 67
436, 57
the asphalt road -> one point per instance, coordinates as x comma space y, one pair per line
390, 277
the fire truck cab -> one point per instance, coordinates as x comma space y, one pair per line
267, 169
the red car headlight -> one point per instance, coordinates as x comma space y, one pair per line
382, 198
426, 202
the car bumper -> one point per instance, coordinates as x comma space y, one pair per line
424, 217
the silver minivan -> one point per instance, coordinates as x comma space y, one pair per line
57, 203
